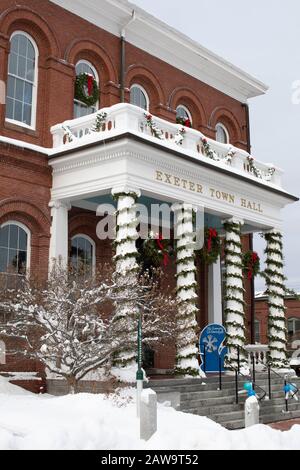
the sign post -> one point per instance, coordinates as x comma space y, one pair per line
140, 373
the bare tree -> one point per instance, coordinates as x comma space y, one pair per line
69, 324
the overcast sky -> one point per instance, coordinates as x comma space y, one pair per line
263, 38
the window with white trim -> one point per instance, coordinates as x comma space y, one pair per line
83, 254
293, 326
182, 113
14, 252
139, 97
22, 80
257, 331
222, 134
81, 109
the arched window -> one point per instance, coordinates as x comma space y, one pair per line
83, 254
2, 352
81, 109
22, 80
183, 116
14, 251
139, 97
222, 134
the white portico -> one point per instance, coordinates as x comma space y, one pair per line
165, 162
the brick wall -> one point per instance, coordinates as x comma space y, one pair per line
25, 178
261, 314
63, 39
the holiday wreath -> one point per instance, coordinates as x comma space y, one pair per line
184, 121
154, 251
86, 89
251, 264
212, 246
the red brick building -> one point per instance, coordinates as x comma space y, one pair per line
48, 189
292, 305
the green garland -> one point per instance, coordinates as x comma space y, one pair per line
276, 291
81, 84
126, 313
235, 315
212, 246
186, 340
100, 121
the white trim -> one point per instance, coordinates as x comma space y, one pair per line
186, 110
137, 85
92, 242
19, 124
219, 124
34, 83
28, 233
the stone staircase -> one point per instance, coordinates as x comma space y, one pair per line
203, 398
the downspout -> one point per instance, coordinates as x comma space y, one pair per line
123, 56
252, 286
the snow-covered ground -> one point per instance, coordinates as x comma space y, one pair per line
86, 421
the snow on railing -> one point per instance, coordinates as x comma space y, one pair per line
123, 118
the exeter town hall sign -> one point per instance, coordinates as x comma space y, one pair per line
213, 193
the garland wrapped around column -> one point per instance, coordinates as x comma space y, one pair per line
234, 296
126, 279
186, 350
277, 331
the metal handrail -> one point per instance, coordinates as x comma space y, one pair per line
286, 382
237, 373
255, 386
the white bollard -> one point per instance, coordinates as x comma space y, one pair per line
251, 412
148, 414
139, 390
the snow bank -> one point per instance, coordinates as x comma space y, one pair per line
7, 388
99, 422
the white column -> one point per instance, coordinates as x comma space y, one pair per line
235, 304
186, 340
59, 250
275, 281
215, 293
126, 272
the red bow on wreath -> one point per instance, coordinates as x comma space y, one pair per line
212, 233
90, 84
253, 260
161, 247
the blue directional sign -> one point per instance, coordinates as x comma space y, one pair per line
211, 345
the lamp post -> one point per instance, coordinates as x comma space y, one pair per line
140, 372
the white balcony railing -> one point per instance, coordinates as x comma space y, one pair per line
260, 354
122, 118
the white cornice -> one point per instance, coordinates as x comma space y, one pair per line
158, 39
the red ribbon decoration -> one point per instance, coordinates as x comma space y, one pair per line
161, 247
253, 260
90, 84
212, 233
